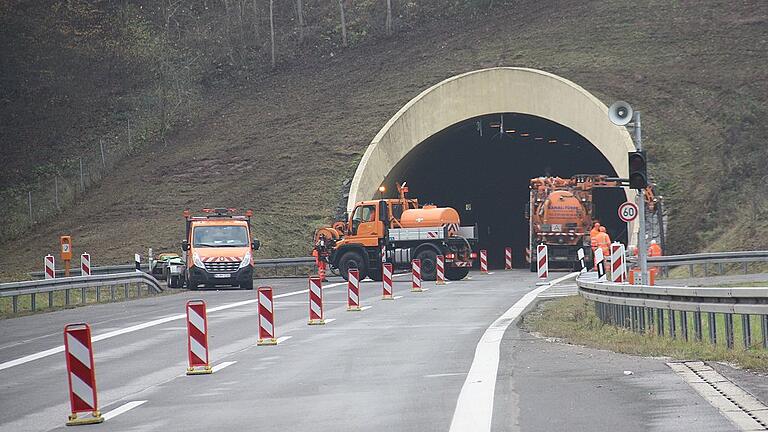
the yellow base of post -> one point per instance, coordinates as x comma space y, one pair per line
439, 282
272, 341
316, 322
416, 290
387, 297
204, 371
353, 309
74, 420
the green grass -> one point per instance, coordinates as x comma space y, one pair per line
573, 320
44, 304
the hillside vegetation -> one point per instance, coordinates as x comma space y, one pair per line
229, 129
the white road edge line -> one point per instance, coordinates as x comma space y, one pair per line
330, 320
123, 409
397, 297
282, 339
223, 365
474, 408
364, 308
142, 326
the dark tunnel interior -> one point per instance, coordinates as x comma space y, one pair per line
482, 167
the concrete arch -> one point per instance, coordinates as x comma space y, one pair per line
487, 91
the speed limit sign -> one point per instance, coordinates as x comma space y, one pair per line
628, 212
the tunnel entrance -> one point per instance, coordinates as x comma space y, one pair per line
482, 167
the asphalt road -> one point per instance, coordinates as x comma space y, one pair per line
399, 365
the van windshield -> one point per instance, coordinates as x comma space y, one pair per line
220, 236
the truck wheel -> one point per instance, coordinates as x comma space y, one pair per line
428, 259
375, 274
248, 285
456, 273
190, 285
352, 260
173, 281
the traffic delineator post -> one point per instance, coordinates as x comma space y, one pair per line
49, 263
440, 275
542, 261
197, 338
353, 290
618, 263
600, 264
315, 301
416, 276
508, 258
81, 375
582, 262
483, 261
386, 282
266, 317
85, 264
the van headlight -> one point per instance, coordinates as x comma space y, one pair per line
197, 261
246, 260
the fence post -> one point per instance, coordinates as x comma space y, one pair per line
729, 330
746, 331
697, 326
712, 327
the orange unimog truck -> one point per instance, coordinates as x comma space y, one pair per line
560, 215
218, 249
402, 231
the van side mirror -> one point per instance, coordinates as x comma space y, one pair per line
256, 244
185, 245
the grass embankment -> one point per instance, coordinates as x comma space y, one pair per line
573, 320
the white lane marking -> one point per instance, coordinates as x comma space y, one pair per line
397, 297
223, 365
490, 273
474, 407
122, 409
365, 308
282, 339
330, 320
142, 326
444, 375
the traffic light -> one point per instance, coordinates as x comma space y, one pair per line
638, 170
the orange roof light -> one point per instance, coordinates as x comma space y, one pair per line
249, 213
525, 134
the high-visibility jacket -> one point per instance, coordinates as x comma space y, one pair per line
603, 241
654, 250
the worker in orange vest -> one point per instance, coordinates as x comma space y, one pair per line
603, 241
320, 252
593, 235
654, 249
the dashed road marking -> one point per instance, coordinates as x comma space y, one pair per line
223, 365
123, 409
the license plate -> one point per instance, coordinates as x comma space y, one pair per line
175, 269
221, 275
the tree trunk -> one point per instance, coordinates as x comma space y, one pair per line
256, 23
300, 13
272, 29
343, 24
389, 18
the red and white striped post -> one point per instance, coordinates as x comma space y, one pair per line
582, 262
266, 317
353, 290
483, 261
618, 264
50, 267
81, 374
508, 258
315, 301
542, 260
197, 338
85, 264
416, 275
440, 277
386, 282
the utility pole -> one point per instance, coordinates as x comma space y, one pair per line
642, 252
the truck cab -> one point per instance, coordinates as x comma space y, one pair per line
218, 249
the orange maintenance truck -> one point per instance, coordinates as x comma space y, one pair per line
396, 230
218, 249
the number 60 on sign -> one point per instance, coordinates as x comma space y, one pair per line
628, 212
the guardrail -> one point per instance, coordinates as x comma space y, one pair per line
704, 259
645, 308
273, 263
14, 290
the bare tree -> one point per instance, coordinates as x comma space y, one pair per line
343, 24
272, 29
389, 18
300, 13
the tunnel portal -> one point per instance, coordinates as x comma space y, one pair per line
482, 166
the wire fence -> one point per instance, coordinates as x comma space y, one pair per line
56, 188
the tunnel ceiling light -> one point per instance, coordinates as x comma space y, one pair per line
553, 141
538, 138
495, 125
525, 134
511, 131
566, 144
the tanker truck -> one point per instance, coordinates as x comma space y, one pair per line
397, 230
